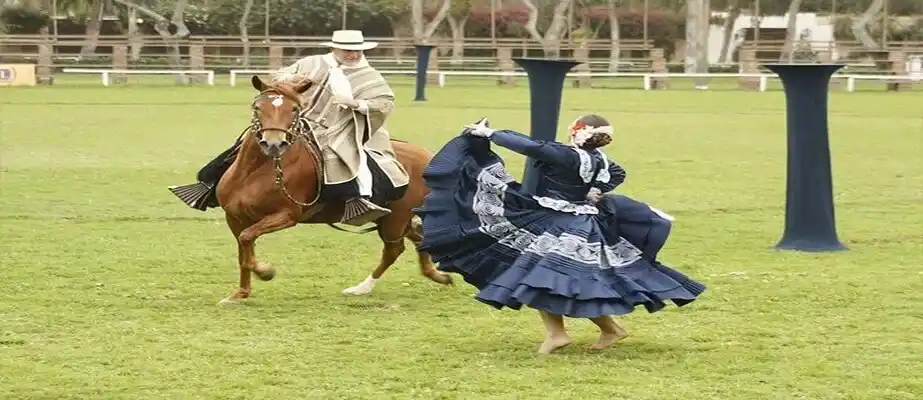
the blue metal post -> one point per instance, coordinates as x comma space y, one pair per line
423, 52
546, 85
810, 223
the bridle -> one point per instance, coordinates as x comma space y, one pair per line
299, 129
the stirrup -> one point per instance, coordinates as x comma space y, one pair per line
194, 195
360, 211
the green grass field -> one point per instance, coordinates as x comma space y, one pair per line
110, 283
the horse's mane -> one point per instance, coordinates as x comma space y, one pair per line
285, 89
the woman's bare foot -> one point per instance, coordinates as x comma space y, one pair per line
553, 343
609, 332
607, 339
556, 335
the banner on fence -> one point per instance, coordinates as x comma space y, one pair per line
17, 74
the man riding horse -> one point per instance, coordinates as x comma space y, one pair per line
346, 108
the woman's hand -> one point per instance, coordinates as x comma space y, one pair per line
480, 128
594, 195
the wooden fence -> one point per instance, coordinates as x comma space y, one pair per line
223, 53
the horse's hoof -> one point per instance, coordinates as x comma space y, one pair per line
441, 278
264, 272
357, 291
361, 289
229, 301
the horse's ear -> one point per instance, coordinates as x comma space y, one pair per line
258, 83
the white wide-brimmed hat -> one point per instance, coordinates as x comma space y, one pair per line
349, 40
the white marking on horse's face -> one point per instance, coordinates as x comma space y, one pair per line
277, 100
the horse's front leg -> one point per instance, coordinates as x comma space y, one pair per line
246, 254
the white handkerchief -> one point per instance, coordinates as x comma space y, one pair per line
339, 86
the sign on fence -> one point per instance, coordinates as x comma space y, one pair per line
17, 74
915, 66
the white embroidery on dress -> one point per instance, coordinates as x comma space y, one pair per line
586, 166
488, 206
566, 206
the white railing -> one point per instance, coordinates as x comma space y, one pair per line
646, 78
107, 72
851, 79
235, 72
441, 75
763, 78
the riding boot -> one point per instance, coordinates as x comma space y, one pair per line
203, 194
360, 211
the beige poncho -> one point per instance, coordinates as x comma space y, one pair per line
345, 131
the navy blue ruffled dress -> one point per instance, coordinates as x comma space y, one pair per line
551, 249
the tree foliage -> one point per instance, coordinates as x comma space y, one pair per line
384, 17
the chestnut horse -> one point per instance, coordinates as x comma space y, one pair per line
276, 180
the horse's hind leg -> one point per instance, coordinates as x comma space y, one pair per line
415, 234
393, 240
246, 254
391, 229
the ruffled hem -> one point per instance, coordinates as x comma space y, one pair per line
479, 225
616, 293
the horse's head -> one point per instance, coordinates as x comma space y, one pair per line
276, 111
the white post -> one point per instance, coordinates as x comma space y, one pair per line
762, 83
233, 79
211, 78
850, 83
441, 79
646, 78
105, 78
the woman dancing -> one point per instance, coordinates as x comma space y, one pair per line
563, 247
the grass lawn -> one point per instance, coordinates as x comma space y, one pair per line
111, 283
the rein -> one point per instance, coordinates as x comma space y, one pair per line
301, 129
298, 130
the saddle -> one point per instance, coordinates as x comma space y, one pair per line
357, 210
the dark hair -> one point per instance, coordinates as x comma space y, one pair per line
599, 139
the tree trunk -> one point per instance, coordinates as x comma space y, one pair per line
615, 51
860, 25
693, 7
92, 29
701, 62
133, 39
244, 34
421, 31
162, 26
401, 27
704, 28
733, 14
788, 50
557, 27
551, 42
182, 31
458, 37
